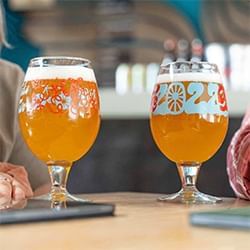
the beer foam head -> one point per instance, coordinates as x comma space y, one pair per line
61, 72
189, 77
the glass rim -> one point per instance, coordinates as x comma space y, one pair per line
201, 63
39, 60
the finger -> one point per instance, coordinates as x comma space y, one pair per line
21, 191
29, 192
5, 185
4, 202
5, 191
4, 177
18, 193
20, 174
24, 186
19, 204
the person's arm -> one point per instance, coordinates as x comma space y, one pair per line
13, 148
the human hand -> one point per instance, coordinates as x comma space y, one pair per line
14, 183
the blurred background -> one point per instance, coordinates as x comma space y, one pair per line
127, 40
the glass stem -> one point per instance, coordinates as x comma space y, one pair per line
58, 175
188, 175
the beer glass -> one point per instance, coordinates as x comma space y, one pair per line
59, 115
189, 120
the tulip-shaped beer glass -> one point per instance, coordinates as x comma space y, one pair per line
59, 115
189, 120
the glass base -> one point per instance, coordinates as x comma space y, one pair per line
66, 197
190, 197
59, 172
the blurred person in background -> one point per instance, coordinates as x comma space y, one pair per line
21, 174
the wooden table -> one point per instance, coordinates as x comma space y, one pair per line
140, 223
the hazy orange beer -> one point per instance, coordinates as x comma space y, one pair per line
189, 121
57, 128
189, 137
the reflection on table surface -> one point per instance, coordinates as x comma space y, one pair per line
36, 203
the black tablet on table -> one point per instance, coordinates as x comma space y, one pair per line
41, 210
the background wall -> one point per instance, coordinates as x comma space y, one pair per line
111, 31
125, 158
